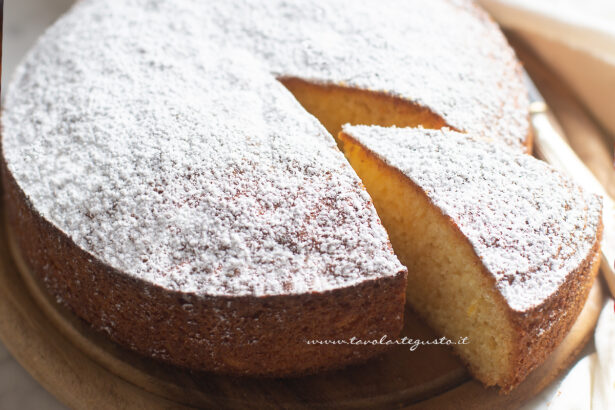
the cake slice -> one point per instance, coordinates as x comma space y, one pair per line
500, 248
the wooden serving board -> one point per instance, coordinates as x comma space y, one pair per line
84, 369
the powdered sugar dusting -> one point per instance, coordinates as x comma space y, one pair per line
182, 163
530, 225
445, 55
154, 133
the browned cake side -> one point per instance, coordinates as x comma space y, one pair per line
533, 347
260, 336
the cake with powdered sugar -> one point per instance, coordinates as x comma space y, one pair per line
500, 247
171, 170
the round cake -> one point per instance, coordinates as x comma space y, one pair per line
166, 176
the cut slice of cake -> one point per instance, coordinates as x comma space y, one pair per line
500, 248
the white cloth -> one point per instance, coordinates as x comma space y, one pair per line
576, 38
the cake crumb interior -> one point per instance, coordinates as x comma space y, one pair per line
445, 283
335, 105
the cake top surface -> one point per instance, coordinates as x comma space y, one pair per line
155, 134
530, 225
445, 55
144, 152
